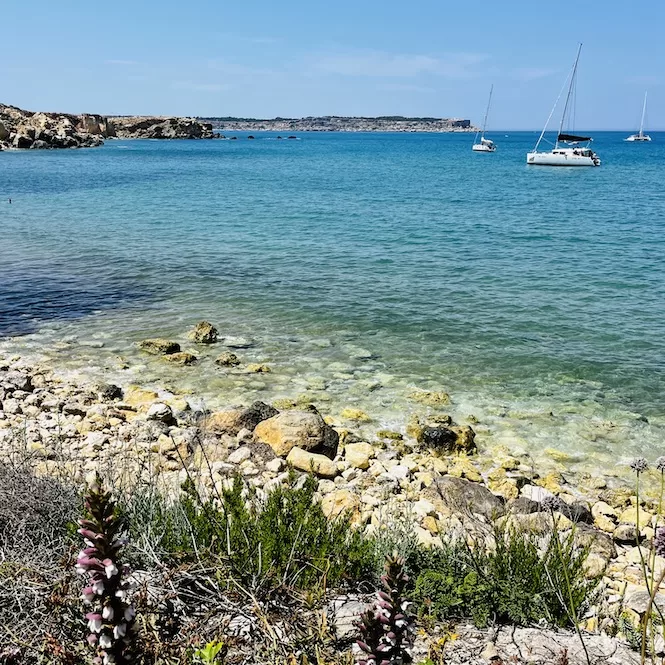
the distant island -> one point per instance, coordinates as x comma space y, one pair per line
332, 123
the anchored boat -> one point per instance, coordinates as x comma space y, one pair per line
576, 150
641, 136
484, 145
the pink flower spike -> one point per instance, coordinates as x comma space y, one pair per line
92, 639
110, 568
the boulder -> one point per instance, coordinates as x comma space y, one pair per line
448, 440
305, 429
459, 494
358, 455
231, 421
40, 145
159, 346
22, 141
339, 502
203, 333
311, 462
109, 391
4, 132
181, 358
161, 412
227, 359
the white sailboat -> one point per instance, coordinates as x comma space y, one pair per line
641, 136
484, 145
575, 155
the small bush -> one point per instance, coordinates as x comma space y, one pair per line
518, 582
284, 540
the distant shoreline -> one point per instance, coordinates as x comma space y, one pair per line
341, 124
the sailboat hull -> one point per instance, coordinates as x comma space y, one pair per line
561, 158
637, 137
479, 147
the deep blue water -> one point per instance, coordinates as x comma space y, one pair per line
501, 282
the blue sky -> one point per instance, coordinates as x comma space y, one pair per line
264, 58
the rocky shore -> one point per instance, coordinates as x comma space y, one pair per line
22, 130
432, 477
342, 124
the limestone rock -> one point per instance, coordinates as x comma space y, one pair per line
227, 359
304, 429
341, 501
181, 358
307, 461
355, 414
159, 346
258, 368
203, 333
430, 398
458, 494
448, 440
135, 396
358, 455
161, 412
234, 420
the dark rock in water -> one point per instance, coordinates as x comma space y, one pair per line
461, 494
40, 145
233, 138
159, 346
109, 391
447, 439
181, 358
204, 333
279, 137
250, 137
292, 137
227, 359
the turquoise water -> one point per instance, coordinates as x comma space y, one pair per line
361, 267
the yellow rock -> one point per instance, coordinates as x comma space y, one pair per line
258, 368
629, 516
604, 523
557, 455
591, 625
430, 398
306, 461
355, 414
424, 477
136, 396
551, 482
430, 524
464, 469
358, 455
506, 488
414, 427
181, 358
510, 463
338, 502
177, 403
389, 434
439, 465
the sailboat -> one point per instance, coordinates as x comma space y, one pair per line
485, 145
575, 155
641, 136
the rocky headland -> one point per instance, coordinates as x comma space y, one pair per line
23, 130
342, 124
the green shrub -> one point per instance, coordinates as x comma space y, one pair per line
517, 582
284, 540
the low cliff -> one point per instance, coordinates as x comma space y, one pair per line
146, 127
25, 129
20, 129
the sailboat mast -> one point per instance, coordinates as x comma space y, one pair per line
570, 90
487, 110
644, 110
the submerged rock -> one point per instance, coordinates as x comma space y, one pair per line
203, 333
430, 398
304, 429
448, 439
159, 346
227, 359
181, 358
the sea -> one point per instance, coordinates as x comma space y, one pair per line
361, 269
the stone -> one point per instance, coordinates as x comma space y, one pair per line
458, 494
338, 502
275, 465
109, 391
625, 533
240, 455
135, 396
355, 414
358, 454
399, 472
535, 493
311, 462
430, 398
595, 541
448, 440
304, 429
181, 358
638, 601
630, 515
258, 368
158, 346
203, 333
161, 412
232, 421
389, 434
423, 508
227, 359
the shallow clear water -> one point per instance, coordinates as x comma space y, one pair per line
362, 266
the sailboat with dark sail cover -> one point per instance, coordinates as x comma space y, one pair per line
576, 150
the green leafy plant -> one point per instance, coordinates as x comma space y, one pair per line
210, 653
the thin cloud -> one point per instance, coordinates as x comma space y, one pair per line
382, 64
403, 87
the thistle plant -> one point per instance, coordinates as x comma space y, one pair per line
387, 629
110, 617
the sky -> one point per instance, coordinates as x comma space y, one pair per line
263, 58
